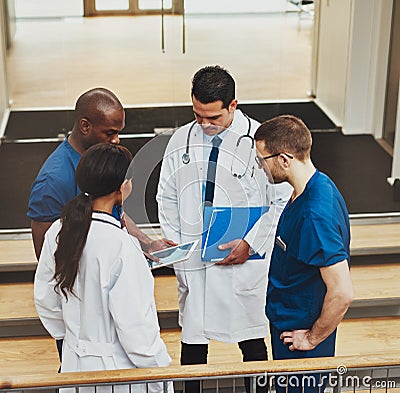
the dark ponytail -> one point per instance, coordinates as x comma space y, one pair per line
76, 217
100, 172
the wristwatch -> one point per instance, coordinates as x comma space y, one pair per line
251, 251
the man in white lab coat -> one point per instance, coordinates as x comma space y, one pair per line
224, 301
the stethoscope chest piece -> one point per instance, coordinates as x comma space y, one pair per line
185, 155
186, 158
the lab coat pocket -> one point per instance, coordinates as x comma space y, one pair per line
250, 277
109, 362
250, 285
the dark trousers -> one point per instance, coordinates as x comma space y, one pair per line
302, 383
59, 344
252, 350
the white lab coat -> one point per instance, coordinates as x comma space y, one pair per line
225, 303
112, 322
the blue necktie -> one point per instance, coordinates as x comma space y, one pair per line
212, 167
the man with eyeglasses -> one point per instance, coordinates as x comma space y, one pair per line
309, 288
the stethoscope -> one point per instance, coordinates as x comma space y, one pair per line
186, 156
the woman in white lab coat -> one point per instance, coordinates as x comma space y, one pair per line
93, 287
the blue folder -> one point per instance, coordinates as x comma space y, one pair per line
223, 224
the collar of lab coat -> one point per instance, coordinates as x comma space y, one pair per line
240, 124
238, 127
107, 218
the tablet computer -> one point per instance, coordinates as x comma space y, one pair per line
171, 255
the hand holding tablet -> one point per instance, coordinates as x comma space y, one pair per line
171, 255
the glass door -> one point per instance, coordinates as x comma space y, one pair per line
111, 5
151, 58
132, 7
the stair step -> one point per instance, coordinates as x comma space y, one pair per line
377, 293
356, 337
18, 316
367, 239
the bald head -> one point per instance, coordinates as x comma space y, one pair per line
95, 104
99, 117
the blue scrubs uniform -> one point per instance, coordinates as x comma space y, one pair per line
313, 232
55, 184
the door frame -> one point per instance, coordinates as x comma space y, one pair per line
89, 9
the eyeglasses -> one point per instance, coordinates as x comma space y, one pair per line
260, 160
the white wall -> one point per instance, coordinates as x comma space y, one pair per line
234, 6
352, 62
333, 47
48, 8
396, 149
381, 45
10, 7
361, 60
3, 78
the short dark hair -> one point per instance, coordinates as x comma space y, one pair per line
213, 83
286, 133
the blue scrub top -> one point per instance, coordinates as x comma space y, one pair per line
55, 185
313, 232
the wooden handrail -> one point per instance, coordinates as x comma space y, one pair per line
47, 380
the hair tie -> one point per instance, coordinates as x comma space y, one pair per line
86, 194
